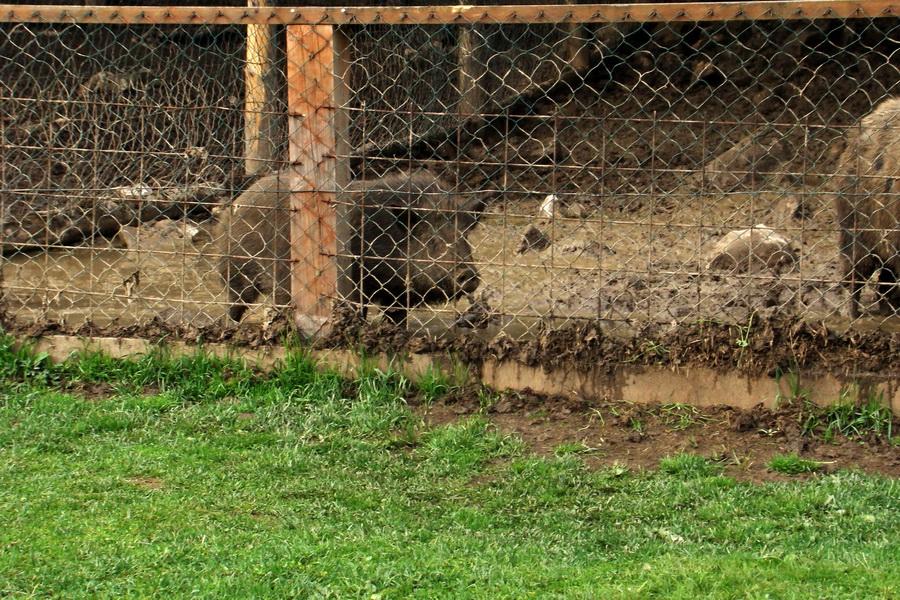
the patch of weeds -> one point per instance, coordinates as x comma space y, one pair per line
789, 392
615, 470
743, 463
792, 464
407, 436
550, 483
681, 416
743, 336
465, 445
199, 376
541, 414
23, 364
689, 466
296, 371
596, 414
795, 392
459, 372
636, 424
90, 366
488, 397
434, 383
855, 419
379, 406
848, 417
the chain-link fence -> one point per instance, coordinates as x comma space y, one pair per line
496, 168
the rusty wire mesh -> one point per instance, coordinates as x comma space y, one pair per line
631, 172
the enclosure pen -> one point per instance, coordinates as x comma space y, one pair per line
569, 185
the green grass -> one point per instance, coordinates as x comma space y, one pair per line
851, 416
690, 465
202, 478
792, 464
434, 384
855, 419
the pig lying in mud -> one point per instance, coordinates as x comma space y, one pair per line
404, 236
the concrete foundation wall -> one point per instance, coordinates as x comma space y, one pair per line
699, 386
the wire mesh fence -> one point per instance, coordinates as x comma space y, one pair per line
496, 168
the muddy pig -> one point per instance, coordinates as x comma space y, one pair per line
868, 206
404, 244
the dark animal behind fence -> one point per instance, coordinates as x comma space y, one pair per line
868, 206
404, 244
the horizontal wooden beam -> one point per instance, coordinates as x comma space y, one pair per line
461, 14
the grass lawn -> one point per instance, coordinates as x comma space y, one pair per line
198, 477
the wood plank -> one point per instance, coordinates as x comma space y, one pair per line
583, 13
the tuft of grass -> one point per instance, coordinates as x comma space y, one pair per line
789, 378
195, 377
686, 465
20, 364
792, 464
855, 419
848, 417
649, 348
487, 397
434, 383
742, 339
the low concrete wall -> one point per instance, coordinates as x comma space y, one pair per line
700, 386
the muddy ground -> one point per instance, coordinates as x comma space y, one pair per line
608, 433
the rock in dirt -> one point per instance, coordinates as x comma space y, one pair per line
533, 239
577, 211
752, 250
548, 206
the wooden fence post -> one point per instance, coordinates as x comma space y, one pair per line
259, 96
578, 49
317, 138
472, 95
